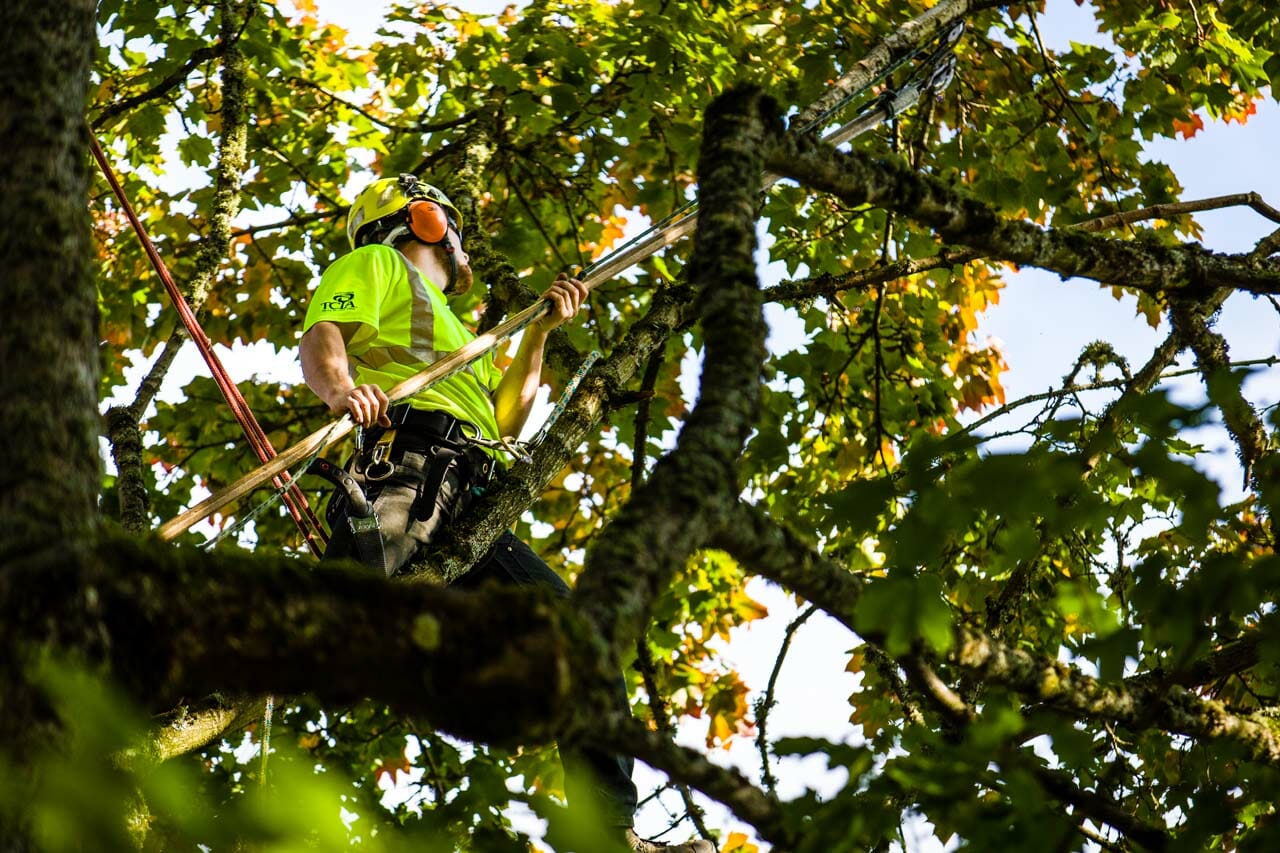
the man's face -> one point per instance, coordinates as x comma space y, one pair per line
465, 278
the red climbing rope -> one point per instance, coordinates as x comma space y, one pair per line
302, 514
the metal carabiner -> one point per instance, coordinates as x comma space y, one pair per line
380, 467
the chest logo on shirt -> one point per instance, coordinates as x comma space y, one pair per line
340, 302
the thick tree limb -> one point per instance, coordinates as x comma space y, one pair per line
857, 179
1061, 686
48, 329
184, 623
696, 484
187, 729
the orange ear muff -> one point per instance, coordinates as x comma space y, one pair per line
428, 221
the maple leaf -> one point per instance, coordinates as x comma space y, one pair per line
1242, 114
1189, 128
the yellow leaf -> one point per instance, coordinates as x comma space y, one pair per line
737, 841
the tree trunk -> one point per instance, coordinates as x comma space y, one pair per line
48, 386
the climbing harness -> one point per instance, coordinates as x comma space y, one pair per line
929, 76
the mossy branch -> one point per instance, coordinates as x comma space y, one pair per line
858, 179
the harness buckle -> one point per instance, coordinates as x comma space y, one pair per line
380, 467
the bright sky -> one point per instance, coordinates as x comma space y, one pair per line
1042, 324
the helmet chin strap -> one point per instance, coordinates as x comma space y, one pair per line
452, 255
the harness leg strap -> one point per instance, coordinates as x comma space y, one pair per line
437, 470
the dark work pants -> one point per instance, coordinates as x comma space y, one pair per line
601, 779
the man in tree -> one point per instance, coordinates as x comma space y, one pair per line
377, 318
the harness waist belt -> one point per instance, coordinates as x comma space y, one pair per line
423, 431
435, 422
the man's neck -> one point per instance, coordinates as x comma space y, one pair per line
428, 259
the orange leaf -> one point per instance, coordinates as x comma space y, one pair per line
1241, 115
737, 841
393, 767
1189, 129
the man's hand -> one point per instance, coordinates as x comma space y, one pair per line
367, 405
566, 296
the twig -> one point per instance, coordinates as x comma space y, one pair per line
199, 55
827, 284
1211, 358
1096, 806
661, 718
1270, 361
1168, 211
420, 127
765, 705
940, 695
647, 384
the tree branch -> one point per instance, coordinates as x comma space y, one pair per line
1002, 609
1168, 211
183, 622
1061, 686
685, 766
125, 438
467, 539
231, 158
1096, 806
902, 41
767, 549
858, 179
766, 703
652, 536
828, 284
1211, 359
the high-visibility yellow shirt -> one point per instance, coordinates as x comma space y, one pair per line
405, 325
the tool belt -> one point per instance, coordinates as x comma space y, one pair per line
418, 450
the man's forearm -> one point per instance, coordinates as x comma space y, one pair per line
323, 351
514, 396
324, 364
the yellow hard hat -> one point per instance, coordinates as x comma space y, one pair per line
377, 209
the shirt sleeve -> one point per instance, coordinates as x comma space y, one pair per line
351, 291
489, 374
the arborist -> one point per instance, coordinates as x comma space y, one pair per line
379, 315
